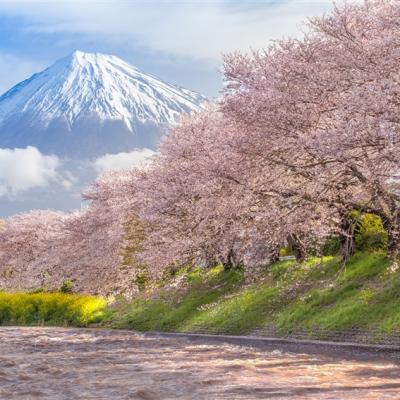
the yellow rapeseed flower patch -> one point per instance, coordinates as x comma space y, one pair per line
50, 309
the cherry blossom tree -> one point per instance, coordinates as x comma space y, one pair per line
325, 108
45, 248
29, 248
205, 199
306, 132
97, 235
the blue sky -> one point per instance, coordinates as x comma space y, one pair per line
179, 41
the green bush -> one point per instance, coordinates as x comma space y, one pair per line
331, 246
285, 251
50, 309
370, 234
67, 286
142, 280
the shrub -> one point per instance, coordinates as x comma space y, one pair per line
285, 251
370, 234
67, 286
142, 280
331, 246
366, 296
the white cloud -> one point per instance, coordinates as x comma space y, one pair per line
199, 30
135, 158
24, 169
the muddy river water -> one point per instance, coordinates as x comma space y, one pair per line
58, 363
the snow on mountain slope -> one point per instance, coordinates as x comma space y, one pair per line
88, 104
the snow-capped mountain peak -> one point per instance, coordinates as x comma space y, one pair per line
83, 83
86, 87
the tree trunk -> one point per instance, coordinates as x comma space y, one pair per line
274, 255
297, 247
347, 240
392, 227
230, 262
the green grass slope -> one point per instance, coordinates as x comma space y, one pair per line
317, 295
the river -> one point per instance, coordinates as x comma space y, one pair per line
64, 363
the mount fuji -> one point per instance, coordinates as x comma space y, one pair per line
89, 104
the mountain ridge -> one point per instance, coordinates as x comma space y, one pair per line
89, 104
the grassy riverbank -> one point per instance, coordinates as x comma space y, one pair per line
318, 294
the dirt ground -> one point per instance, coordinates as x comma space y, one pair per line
63, 363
